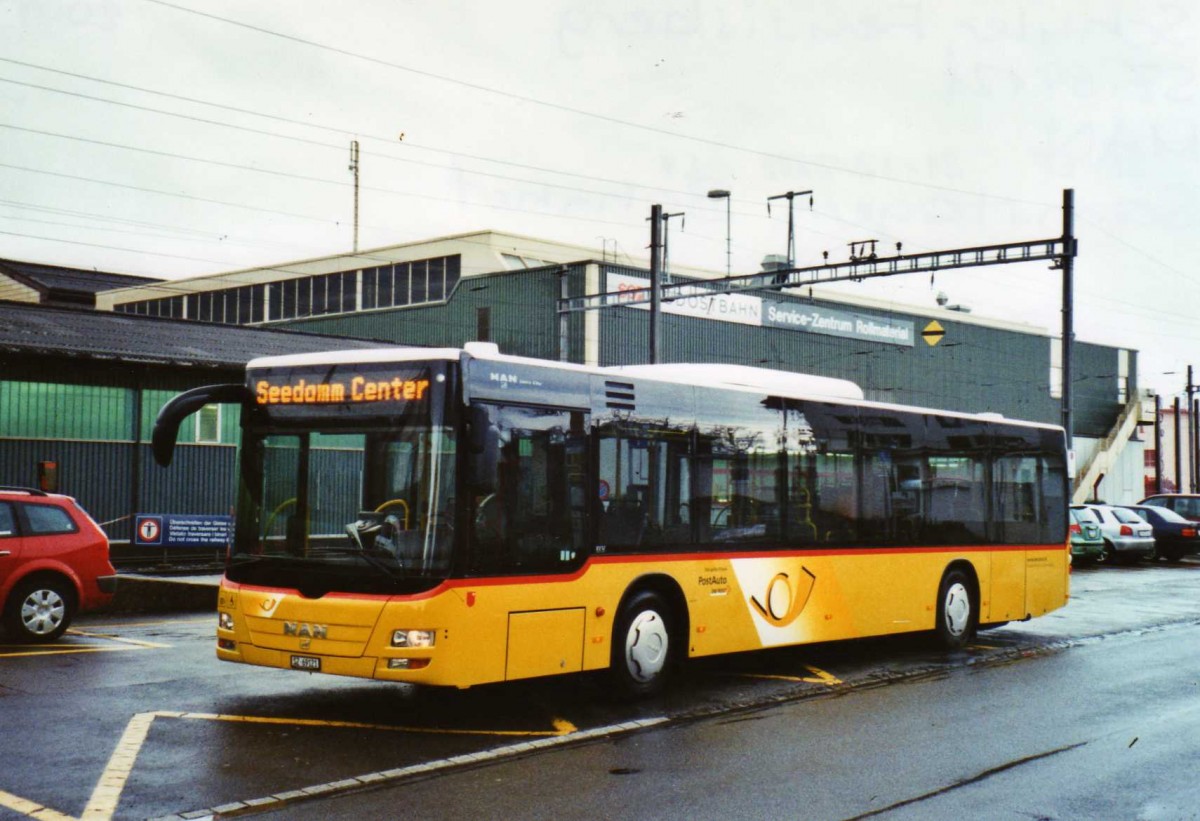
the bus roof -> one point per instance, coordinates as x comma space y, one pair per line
736, 377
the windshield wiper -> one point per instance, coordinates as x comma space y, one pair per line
365, 556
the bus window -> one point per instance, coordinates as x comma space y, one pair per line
822, 484
893, 476
738, 474
528, 512
1026, 490
645, 479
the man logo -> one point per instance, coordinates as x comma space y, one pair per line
306, 631
784, 604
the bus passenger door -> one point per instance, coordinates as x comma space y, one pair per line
1007, 596
1016, 514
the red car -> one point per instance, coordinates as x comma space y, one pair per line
53, 563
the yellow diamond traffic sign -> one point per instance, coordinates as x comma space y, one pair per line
933, 333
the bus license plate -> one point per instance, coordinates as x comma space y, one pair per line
312, 665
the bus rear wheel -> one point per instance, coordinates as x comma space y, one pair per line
643, 650
957, 610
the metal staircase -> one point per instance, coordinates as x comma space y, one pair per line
1107, 452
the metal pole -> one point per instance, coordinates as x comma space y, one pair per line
1158, 442
717, 194
656, 219
1191, 392
1194, 463
728, 239
791, 232
790, 196
1068, 320
1178, 452
354, 168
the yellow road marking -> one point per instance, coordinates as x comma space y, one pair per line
107, 795
68, 651
561, 727
103, 803
818, 677
30, 808
206, 620
134, 642
59, 649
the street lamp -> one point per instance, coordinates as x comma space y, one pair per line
722, 194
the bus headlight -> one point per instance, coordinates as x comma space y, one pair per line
224, 621
413, 638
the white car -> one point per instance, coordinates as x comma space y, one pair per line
1126, 534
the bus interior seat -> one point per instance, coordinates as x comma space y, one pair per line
623, 523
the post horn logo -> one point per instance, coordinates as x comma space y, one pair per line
783, 603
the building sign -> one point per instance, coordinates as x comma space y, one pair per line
933, 333
799, 316
769, 313
182, 530
699, 302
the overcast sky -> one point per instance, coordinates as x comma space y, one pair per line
177, 138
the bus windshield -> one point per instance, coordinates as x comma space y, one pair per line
347, 497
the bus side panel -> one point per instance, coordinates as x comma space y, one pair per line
1006, 599
1046, 577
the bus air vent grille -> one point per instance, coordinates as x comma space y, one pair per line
619, 395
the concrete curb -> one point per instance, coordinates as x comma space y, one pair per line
149, 594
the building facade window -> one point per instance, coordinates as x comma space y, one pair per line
208, 425
385, 286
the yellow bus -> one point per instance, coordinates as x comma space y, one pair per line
458, 516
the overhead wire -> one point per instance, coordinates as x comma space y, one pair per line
577, 111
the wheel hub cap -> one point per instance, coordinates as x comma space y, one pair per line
646, 646
42, 612
958, 609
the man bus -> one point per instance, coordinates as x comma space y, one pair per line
457, 516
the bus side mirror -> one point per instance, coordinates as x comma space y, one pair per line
483, 442
166, 426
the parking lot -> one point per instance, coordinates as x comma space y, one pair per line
132, 717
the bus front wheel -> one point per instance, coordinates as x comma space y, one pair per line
957, 610
642, 646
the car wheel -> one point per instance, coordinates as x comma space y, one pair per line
1172, 554
40, 610
1109, 556
957, 611
643, 650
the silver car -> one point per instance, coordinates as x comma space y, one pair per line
1127, 536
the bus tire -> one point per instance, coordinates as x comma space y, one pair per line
957, 610
643, 645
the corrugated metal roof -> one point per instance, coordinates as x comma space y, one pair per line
70, 279
37, 329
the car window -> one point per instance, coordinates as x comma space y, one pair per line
8, 526
1156, 502
1190, 508
1083, 515
1100, 515
47, 519
1127, 516
1162, 514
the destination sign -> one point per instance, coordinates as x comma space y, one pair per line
338, 386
